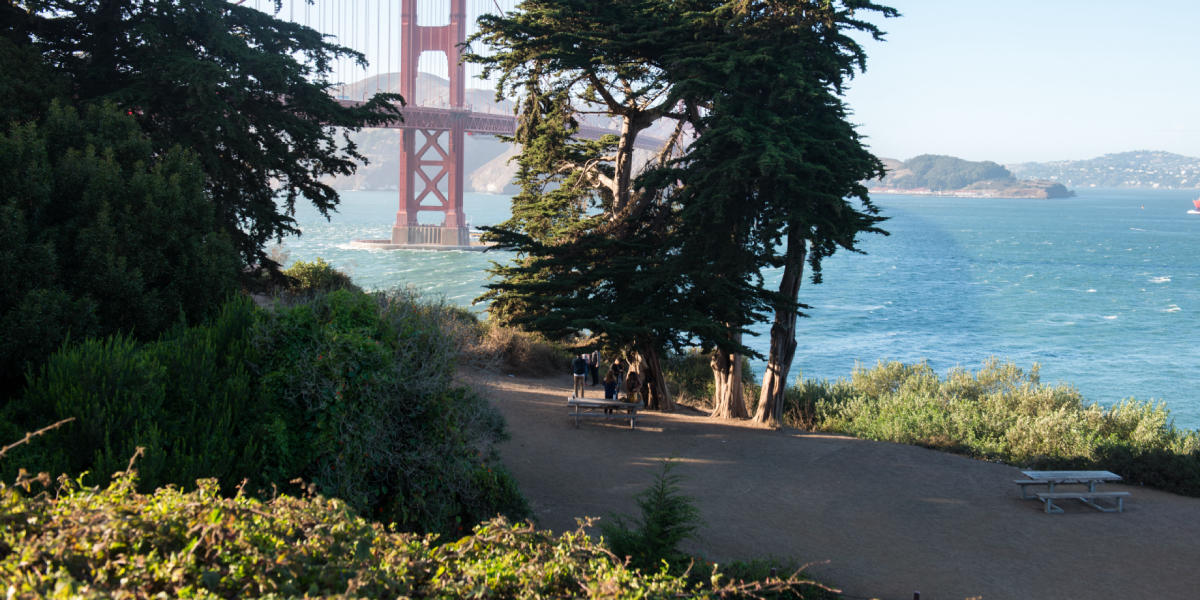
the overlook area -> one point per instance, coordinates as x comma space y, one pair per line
804, 370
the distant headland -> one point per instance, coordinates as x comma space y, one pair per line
937, 175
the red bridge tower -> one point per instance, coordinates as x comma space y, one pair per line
431, 150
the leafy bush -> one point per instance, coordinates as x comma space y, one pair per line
100, 234
114, 542
317, 277
186, 398
1003, 413
347, 391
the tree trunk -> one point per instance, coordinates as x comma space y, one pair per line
622, 189
783, 335
654, 384
728, 400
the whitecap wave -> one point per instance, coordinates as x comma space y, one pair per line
1162, 279
1172, 308
1109, 317
1090, 291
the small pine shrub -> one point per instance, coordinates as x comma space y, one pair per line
668, 518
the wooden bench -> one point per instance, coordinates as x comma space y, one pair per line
603, 409
1086, 497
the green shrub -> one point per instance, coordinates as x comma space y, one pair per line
317, 277
186, 398
1003, 413
668, 518
690, 375
114, 542
100, 234
350, 393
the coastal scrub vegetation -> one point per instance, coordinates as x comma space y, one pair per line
66, 539
1003, 413
350, 393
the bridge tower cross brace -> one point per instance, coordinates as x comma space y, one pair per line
430, 155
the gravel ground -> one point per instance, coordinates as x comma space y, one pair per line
875, 519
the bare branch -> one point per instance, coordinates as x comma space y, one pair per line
30, 436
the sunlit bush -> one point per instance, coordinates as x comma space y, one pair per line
114, 542
1001, 412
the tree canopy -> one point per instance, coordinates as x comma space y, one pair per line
674, 256
245, 92
151, 150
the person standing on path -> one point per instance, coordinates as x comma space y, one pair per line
633, 388
618, 368
579, 368
594, 366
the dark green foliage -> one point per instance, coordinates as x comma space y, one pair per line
673, 257
187, 399
358, 399
668, 518
245, 92
349, 392
100, 233
114, 542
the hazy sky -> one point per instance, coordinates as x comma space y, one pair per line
1022, 80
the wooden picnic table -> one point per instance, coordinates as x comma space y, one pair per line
601, 408
1091, 479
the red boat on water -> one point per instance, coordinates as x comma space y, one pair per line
1195, 202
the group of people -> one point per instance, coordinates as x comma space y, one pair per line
617, 377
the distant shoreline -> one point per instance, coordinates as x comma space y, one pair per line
1032, 194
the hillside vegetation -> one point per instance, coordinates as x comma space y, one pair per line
949, 175
1004, 413
1140, 169
345, 393
113, 542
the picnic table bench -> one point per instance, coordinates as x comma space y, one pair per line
1050, 479
603, 409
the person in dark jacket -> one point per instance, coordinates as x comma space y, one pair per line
594, 366
579, 368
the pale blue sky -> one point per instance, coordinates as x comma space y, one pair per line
1021, 80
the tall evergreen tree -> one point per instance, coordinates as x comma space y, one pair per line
588, 239
774, 165
247, 93
774, 160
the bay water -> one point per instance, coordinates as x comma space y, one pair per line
1101, 290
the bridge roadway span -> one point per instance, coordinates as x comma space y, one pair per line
428, 118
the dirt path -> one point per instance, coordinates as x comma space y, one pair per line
878, 519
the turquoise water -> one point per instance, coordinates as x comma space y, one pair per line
1102, 290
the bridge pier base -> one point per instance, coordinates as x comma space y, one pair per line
420, 235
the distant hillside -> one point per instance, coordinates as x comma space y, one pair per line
952, 176
485, 162
1139, 169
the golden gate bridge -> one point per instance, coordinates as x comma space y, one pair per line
401, 39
